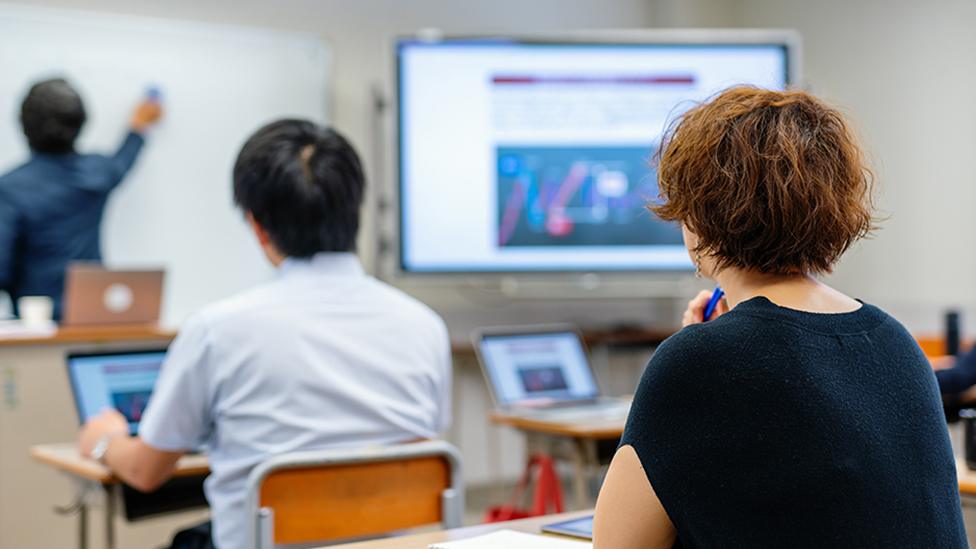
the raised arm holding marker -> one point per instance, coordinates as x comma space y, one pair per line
717, 296
153, 94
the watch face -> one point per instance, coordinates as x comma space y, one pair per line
98, 452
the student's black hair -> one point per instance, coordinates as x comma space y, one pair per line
52, 115
303, 183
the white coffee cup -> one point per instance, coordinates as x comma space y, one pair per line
36, 311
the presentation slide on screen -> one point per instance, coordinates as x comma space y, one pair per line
538, 367
522, 157
123, 382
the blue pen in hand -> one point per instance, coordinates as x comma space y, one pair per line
717, 296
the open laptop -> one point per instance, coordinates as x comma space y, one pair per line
544, 372
123, 380
96, 296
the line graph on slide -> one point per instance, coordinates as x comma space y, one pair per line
578, 196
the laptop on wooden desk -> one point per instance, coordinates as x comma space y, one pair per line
125, 380
543, 372
96, 296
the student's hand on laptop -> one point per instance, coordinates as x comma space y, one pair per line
109, 422
696, 308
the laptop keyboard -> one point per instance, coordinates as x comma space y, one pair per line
600, 411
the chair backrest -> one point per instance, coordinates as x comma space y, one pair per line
335, 494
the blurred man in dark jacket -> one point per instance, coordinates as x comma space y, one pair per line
51, 206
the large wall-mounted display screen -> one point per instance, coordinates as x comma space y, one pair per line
521, 156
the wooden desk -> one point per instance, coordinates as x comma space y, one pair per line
36, 407
91, 474
546, 437
93, 335
590, 430
421, 541
66, 459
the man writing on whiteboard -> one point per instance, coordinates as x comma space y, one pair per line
322, 356
51, 206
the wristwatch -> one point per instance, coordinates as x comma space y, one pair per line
101, 447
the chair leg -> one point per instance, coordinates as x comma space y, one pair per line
452, 508
265, 535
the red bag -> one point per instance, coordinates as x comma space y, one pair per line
548, 493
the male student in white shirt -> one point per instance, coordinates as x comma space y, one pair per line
322, 356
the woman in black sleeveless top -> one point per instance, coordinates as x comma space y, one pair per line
796, 416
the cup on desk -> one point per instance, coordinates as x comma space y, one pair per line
36, 311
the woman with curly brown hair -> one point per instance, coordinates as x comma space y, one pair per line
796, 416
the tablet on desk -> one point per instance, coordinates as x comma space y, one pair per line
577, 528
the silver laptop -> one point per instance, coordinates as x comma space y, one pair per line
96, 296
543, 371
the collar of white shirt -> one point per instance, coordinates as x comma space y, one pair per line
323, 264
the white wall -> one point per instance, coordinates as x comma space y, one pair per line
695, 13
902, 71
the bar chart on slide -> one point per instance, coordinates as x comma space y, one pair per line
573, 196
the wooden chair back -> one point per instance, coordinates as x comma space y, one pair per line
324, 496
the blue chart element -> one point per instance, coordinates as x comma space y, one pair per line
573, 196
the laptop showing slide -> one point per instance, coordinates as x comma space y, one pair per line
543, 371
120, 380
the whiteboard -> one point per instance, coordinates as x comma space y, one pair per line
218, 83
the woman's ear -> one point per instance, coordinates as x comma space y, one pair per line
704, 263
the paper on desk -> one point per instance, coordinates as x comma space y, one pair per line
510, 539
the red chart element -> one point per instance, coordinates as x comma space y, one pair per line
558, 223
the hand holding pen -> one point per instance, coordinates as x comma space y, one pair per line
705, 306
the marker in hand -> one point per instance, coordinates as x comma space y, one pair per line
717, 296
149, 111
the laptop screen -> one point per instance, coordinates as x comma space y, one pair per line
537, 367
123, 381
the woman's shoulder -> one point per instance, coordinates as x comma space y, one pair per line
755, 339
700, 352
717, 338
